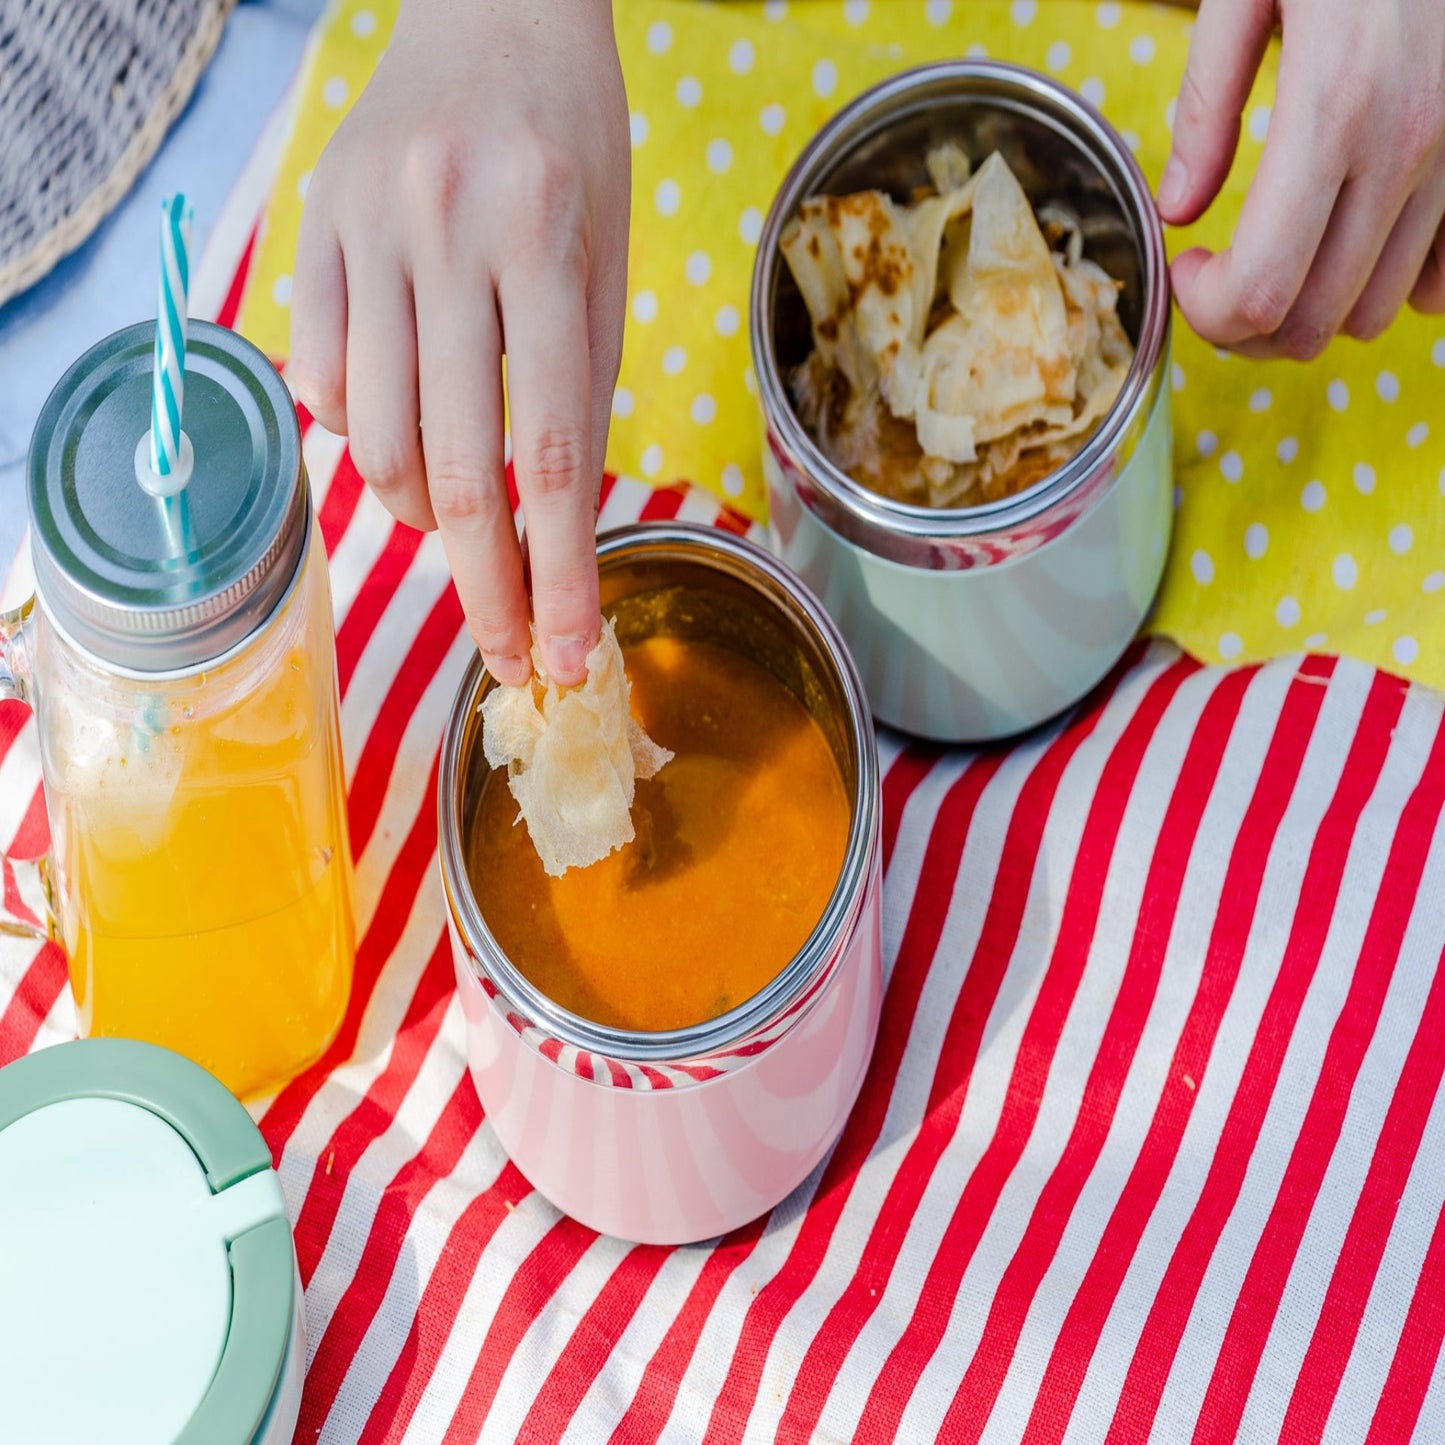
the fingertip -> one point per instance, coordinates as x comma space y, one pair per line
1184, 272
322, 395
565, 658
509, 670
1173, 190
1428, 295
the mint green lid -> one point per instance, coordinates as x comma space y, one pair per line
146, 1264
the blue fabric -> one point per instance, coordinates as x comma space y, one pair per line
111, 281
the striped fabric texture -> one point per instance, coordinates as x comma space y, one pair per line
1152, 1146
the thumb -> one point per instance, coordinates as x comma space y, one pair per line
1224, 54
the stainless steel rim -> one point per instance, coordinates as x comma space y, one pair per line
852, 508
738, 558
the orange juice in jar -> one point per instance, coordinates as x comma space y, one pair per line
182, 666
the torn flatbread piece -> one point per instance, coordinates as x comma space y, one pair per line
573, 756
958, 357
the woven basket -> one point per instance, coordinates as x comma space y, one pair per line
88, 89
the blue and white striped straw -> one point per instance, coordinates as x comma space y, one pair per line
170, 360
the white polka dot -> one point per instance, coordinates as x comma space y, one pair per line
750, 382
976, 51
1222, 355
1442, 481
1405, 650
303, 184
1109, 14
698, 268
651, 460
623, 404
727, 321
667, 198
362, 24
1259, 123
1171, 109
1092, 89
644, 307
1415, 437
1315, 641
1313, 496
1230, 646
741, 56
1437, 352
659, 37
1231, 466
1375, 618
334, 92
1388, 386
637, 124
1261, 400
1131, 139
1022, 12
1287, 450
825, 79
1337, 394
732, 479
1287, 612
673, 360
689, 92
1178, 498
704, 409
1176, 376
938, 11
1202, 565
855, 12
750, 225
1401, 538
281, 291
1058, 55
1364, 478
775, 10
1205, 443
1434, 582
1345, 571
1256, 540
772, 118
719, 156
1141, 49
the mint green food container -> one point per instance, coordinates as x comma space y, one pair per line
148, 1283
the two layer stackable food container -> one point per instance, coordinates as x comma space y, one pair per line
676, 1135
979, 622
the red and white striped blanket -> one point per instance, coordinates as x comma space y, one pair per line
1153, 1143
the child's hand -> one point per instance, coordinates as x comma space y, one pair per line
1342, 224
474, 201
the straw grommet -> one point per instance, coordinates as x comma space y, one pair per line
151, 480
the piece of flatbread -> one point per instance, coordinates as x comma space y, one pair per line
957, 358
572, 756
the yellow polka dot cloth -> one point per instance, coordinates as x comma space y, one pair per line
1311, 498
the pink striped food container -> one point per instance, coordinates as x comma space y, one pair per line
666, 1138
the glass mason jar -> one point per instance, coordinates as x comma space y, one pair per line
179, 655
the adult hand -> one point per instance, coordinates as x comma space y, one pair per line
475, 201
1342, 223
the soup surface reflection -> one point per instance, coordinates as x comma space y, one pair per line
740, 840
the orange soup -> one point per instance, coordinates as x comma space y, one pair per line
740, 840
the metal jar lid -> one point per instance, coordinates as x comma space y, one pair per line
156, 584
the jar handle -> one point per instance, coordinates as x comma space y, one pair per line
25, 907
15, 674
